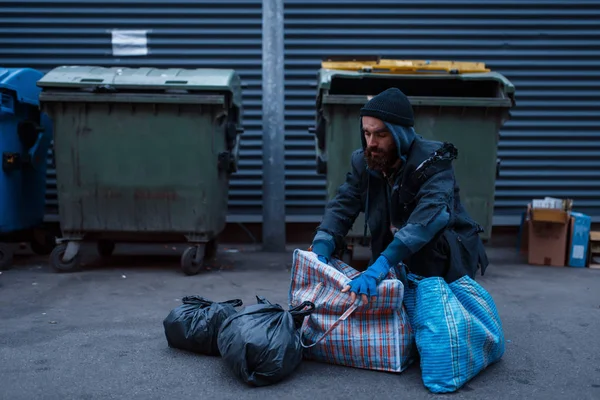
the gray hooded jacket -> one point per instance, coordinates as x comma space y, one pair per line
415, 217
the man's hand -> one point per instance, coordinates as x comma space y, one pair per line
366, 283
323, 250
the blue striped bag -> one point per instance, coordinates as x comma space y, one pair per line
458, 330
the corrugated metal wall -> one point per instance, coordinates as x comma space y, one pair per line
44, 34
549, 49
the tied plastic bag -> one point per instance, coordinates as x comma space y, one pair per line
261, 344
458, 330
194, 325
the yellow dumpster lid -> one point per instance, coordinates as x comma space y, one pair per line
394, 71
389, 66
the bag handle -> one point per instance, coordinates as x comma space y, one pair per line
196, 300
344, 316
299, 312
233, 302
201, 301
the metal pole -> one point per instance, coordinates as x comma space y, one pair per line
273, 127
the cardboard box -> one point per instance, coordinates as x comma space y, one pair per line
579, 238
594, 250
547, 243
547, 236
549, 215
556, 236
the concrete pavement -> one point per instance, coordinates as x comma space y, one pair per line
98, 334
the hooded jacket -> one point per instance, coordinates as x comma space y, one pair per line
415, 216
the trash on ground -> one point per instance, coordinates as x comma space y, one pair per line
552, 233
194, 325
261, 344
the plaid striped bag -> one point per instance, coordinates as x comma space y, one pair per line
376, 337
458, 330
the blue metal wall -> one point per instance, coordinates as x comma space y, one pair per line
549, 49
44, 34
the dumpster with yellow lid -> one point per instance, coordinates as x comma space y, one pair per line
463, 103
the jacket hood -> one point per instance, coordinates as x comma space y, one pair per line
404, 137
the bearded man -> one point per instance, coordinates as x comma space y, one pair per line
407, 189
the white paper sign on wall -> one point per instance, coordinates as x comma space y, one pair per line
129, 42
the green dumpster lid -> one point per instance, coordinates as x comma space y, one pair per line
201, 79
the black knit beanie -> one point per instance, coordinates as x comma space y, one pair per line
391, 106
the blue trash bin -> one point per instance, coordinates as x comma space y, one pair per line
25, 137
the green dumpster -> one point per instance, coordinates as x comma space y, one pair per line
462, 103
142, 155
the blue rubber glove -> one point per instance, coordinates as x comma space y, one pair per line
323, 249
366, 284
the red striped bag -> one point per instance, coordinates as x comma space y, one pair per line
376, 337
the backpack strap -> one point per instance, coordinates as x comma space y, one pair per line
437, 162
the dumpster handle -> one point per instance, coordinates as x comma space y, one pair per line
11, 161
38, 138
226, 162
105, 89
498, 162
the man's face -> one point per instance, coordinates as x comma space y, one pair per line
381, 152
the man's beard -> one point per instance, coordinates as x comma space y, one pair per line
383, 161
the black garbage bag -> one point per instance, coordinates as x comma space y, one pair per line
261, 344
194, 325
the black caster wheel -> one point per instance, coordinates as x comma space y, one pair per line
6, 257
105, 248
189, 265
56, 260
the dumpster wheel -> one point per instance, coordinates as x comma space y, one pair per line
189, 265
6, 257
56, 259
